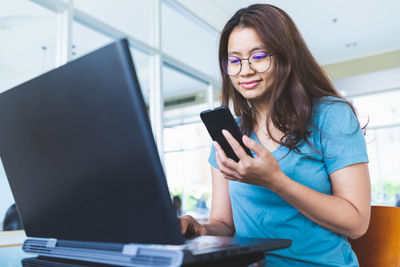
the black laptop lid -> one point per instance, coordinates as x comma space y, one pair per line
80, 157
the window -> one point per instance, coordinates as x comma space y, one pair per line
384, 146
186, 141
134, 17
184, 97
187, 148
142, 64
85, 40
383, 143
380, 109
28, 43
199, 50
28, 40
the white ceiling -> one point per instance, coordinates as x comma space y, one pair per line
362, 27
25, 28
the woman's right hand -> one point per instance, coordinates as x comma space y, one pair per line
190, 227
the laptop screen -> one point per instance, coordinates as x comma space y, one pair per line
80, 157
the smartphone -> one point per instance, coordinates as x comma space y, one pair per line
218, 119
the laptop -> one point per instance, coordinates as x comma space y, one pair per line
83, 167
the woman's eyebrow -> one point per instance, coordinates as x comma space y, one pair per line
257, 48
231, 53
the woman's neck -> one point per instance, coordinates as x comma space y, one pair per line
262, 111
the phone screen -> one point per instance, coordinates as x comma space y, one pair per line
218, 119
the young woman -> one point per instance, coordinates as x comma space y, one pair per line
308, 180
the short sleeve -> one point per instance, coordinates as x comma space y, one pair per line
342, 139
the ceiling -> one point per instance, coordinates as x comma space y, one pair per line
335, 31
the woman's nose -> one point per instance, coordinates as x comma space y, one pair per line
246, 69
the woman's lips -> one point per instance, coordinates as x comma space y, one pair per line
249, 84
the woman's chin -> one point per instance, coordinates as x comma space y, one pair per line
253, 96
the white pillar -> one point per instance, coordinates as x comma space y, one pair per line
64, 35
156, 88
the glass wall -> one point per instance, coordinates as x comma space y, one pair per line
33, 33
186, 141
27, 49
188, 41
382, 113
85, 39
142, 62
133, 17
28, 41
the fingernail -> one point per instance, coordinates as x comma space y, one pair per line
224, 132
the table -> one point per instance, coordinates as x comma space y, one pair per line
12, 255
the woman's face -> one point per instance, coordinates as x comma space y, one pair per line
253, 86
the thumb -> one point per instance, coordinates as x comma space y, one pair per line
203, 230
184, 226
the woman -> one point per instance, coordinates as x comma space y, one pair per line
308, 180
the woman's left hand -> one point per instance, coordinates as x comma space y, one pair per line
262, 170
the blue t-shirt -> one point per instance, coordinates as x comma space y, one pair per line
258, 212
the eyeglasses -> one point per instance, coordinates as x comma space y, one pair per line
258, 61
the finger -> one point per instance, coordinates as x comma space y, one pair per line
198, 229
219, 154
221, 166
219, 150
184, 225
225, 170
203, 230
237, 148
189, 233
223, 158
253, 145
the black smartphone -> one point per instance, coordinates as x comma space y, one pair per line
218, 119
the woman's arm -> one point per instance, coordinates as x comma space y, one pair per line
220, 221
346, 212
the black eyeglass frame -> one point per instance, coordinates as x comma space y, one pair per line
225, 64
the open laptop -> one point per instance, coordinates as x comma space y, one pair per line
82, 164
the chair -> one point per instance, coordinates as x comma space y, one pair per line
380, 246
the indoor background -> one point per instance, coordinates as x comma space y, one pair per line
174, 48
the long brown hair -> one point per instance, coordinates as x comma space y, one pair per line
298, 79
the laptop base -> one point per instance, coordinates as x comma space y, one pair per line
131, 254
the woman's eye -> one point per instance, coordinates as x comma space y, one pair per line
258, 56
233, 61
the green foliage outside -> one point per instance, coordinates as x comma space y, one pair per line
192, 198
391, 190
